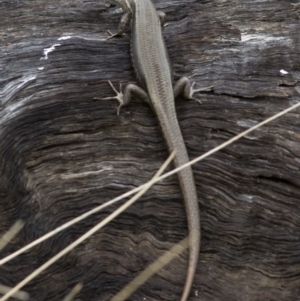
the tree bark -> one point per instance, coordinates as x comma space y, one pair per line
62, 153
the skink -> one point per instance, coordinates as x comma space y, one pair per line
151, 64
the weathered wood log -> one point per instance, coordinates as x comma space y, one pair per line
62, 153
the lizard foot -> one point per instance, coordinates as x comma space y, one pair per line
119, 97
193, 91
113, 35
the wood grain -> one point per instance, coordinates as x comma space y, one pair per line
62, 153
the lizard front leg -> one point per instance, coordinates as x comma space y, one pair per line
124, 19
129, 91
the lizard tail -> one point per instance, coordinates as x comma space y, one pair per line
194, 248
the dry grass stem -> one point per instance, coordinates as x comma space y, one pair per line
89, 233
142, 189
21, 295
11, 233
97, 209
151, 270
77, 288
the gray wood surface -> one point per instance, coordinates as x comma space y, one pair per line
62, 153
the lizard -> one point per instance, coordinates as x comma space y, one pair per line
152, 67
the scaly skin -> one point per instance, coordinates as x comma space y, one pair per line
151, 64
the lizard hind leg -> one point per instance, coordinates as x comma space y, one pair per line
124, 99
119, 97
183, 86
162, 18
